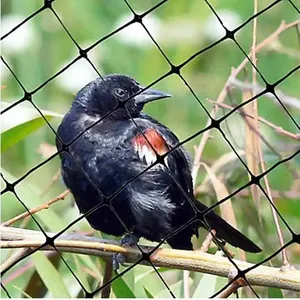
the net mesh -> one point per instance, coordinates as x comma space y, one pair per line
243, 173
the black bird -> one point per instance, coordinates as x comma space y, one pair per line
124, 142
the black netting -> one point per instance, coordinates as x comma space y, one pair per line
255, 177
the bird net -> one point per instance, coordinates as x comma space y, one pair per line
233, 71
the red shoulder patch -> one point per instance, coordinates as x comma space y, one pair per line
154, 138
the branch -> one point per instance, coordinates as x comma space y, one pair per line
170, 258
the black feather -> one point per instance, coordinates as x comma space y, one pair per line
103, 160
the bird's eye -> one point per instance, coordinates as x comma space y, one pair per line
120, 92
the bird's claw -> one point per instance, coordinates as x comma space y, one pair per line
118, 258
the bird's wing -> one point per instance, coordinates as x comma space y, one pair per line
171, 139
154, 138
175, 173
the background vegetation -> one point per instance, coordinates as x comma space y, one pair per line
40, 48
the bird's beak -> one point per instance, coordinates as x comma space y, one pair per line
150, 95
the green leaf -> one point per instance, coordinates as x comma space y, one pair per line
121, 289
20, 121
82, 276
129, 278
275, 293
206, 287
89, 263
52, 279
147, 277
144, 275
149, 295
176, 289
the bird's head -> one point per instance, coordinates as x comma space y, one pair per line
115, 93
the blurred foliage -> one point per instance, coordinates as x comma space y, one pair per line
181, 28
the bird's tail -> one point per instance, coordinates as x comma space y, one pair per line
226, 232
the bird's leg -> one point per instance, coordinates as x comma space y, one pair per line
128, 240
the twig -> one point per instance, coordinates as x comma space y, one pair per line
91, 273
251, 125
274, 213
288, 100
283, 27
262, 164
219, 167
170, 258
54, 179
278, 129
209, 239
22, 269
232, 288
206, 243
253, 49
14, 257
245, 193
280, 48
36, 209
258, 143
200, 148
